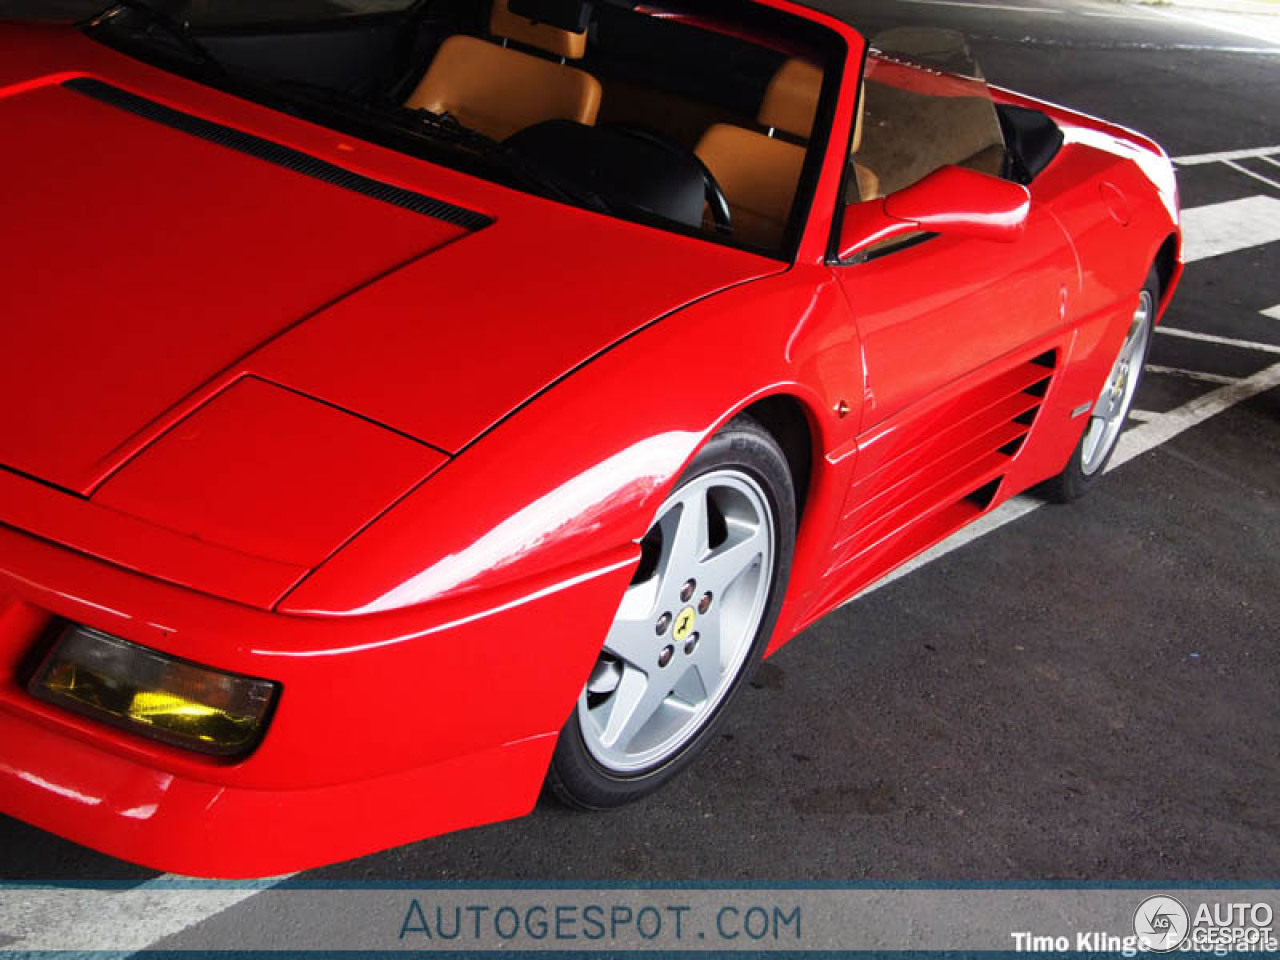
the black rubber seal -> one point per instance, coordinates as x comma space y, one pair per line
278, 154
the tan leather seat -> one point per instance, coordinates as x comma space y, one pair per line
790, 104
500, 90
910, 134
791, 100
758, 175
757, 172
866, 182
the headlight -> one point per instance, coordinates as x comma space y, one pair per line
159, 696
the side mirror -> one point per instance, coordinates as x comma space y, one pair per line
951, 200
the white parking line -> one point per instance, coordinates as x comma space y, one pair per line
1196, 375
987, 6
49, 920
1150, 435
1272, 312
1239, 168
1208, 20
1144, 17
1196, 159
1219, 228
1143, 416
1225, 341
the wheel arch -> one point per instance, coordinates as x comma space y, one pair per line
788, 420
1167, 267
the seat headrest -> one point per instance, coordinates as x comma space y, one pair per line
791, 102
557, 26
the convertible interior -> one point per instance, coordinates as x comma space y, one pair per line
704, 116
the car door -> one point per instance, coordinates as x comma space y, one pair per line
958, 343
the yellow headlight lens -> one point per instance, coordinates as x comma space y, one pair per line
159, 696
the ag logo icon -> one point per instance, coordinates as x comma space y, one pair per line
1161, 923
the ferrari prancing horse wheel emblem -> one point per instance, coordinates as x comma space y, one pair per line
685, 620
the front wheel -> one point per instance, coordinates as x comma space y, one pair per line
1112, 407
691, 626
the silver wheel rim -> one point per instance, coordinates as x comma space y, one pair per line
685, 625
1112, 406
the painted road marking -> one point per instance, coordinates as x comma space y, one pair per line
1252, 31
1225, 341
1150, 435
1165, 47
1143, 17
1272, 312
1132, 443
987, 6
1143, 416
1198, 158
1219, 228
1240, 168
137, 917
1114, 16
1196, 375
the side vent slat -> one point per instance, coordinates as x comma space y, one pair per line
942, 468
889, 444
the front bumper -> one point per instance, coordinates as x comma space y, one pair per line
389, 728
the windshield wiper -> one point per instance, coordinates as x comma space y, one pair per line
179, 30
447, 127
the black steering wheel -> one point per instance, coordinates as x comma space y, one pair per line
717, 202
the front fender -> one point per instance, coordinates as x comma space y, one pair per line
581, 469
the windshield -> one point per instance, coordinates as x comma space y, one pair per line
917, 119
203, 13
706, 117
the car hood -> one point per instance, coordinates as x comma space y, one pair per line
447, 346
157, 250
140, 262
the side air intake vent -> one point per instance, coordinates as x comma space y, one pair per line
944, 467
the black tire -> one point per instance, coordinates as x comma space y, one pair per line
575, 777
1074, 482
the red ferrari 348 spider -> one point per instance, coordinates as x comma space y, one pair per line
401, 411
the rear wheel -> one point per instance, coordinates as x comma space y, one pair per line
691, 626
1111, 409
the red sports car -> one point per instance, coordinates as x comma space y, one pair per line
401, 411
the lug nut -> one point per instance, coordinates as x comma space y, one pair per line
705, 603
687, 590
665, 656
691, 643
664, 621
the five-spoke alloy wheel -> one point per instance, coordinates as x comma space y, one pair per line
1111, 409
690, 626
1113, 405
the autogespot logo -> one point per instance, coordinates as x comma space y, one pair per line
1161, 923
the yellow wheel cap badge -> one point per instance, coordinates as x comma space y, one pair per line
685, 620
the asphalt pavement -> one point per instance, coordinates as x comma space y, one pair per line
1086, 692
